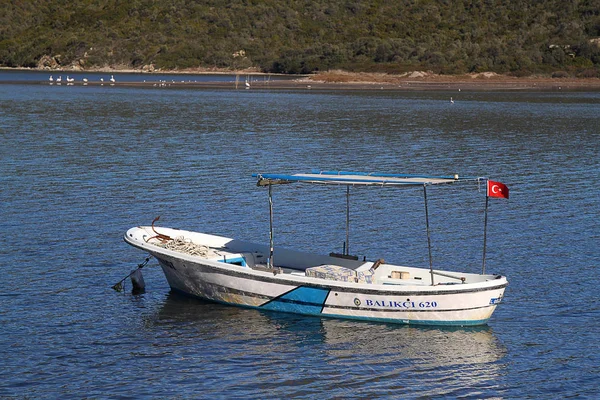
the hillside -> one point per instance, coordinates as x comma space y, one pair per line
520, 37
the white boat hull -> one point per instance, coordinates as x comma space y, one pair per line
460, 304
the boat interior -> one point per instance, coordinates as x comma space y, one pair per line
338, 267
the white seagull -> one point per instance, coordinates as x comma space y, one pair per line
112, 79
51, 79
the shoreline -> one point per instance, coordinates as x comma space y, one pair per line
341, 80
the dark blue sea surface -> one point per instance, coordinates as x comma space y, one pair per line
80, 165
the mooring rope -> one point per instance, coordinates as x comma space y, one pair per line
183, 245
119, 285
180, 244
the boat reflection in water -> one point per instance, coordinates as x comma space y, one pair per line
448, 360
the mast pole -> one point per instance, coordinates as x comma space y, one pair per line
270, 226
347, 220
487, 199
428, 233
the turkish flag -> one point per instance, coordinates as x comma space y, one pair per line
497, 189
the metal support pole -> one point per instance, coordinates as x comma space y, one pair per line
347, 246
428, 234
485, 233
270, 226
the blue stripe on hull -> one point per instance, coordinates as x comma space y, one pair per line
296, 302
302, 300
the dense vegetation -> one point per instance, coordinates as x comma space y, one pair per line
300, 36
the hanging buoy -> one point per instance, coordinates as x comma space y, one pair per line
137, 281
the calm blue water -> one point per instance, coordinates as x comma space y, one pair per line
80, 165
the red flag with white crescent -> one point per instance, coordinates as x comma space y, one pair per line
497, 189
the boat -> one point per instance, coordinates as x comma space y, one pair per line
339, 285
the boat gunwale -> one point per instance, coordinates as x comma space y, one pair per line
340, 286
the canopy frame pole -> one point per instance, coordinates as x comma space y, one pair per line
487, 200
270, 226
347, 244
428, 234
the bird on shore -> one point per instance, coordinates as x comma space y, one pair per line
85, 80
70, 79
112, 79
51, 79
59, 79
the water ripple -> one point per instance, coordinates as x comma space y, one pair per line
82, 165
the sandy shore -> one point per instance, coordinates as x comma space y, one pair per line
419, 80
310, 83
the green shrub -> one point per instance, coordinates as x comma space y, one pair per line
299, 37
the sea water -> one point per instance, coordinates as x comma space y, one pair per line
80, 165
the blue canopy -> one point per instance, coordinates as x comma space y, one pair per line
359, 178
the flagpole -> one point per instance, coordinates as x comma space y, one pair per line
487, 199
270, 226
428, 234
347, 244
492, 189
